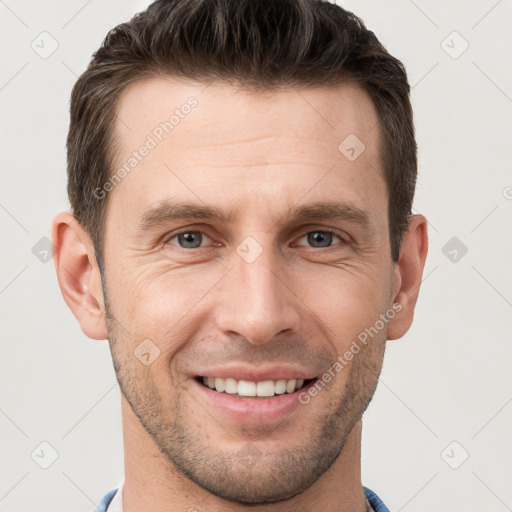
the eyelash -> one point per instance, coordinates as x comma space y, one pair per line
203, 232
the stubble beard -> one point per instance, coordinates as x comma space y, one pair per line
228, 473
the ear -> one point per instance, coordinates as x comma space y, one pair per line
78, 274
407, 275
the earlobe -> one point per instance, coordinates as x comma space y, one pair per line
408, 275
78, 274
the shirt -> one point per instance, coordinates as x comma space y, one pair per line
113, 501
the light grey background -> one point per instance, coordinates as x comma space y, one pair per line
448, 380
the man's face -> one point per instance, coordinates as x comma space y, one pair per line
262, 295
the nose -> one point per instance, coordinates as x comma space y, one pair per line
256, 302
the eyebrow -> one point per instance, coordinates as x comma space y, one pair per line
329, 210
167, 211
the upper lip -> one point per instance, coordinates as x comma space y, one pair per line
256, 374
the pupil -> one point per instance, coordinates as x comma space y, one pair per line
188, 238
317, 237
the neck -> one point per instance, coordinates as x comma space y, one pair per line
153, 483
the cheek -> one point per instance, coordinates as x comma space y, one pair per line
345, 300
164, 306
151, 293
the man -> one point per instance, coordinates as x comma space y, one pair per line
241, 176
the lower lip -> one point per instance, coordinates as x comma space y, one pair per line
250, 410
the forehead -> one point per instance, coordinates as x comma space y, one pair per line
314, 113
214, 142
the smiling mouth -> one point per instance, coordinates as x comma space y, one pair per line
249, 389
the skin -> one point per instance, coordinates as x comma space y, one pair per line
297, 303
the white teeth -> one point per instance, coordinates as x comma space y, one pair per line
264, 388
220, 384
231, 386
246, 388
290, 386
280, 387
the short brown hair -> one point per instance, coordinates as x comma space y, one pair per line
256, 44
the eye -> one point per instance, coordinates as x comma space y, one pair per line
320, 238
193, 239
188, 239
